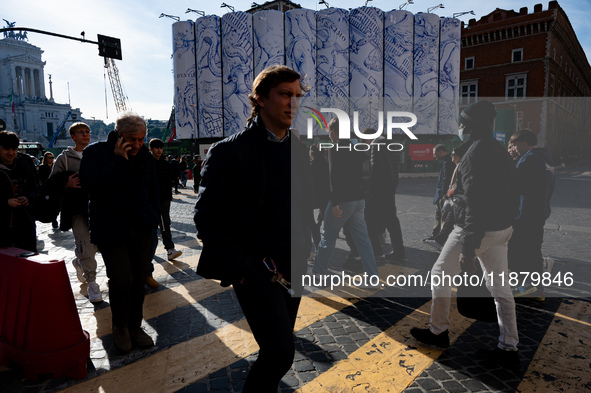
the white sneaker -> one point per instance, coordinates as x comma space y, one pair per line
434, 244
79, 271
94, 292
173, 254
548, 264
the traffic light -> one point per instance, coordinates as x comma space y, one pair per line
109, 47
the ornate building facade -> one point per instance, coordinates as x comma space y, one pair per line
535, 70
24, 105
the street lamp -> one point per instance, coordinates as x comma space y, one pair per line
434, 7
405, 4
228, 6
195, 11
367, 1
170, 16
458, 14
325, 3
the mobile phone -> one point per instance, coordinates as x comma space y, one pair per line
26, 254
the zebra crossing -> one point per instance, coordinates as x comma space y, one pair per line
349, 340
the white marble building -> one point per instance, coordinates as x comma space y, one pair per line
24, 105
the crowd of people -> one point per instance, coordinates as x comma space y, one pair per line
266, 202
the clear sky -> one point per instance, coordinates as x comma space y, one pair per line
146, 40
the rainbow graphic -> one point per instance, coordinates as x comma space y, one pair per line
314, 115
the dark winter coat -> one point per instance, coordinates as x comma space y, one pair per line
445, 174
15, 181
164, 178
233, 198
123, 193
346, 173
384, 166
536, 185
487, 182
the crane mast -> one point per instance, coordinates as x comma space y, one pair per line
118, 95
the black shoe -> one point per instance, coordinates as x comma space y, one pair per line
121, 339
140, 339
353, 264
395, 256
427, 337
507, 359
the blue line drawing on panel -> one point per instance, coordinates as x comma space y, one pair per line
332, 63
398, 62
209, 76
366, 64
185, 82
449, 75
237, 69
268, 45
426, 72
300, 55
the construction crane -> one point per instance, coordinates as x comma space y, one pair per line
119, 96
59, 129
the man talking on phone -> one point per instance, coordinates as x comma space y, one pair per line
124, 210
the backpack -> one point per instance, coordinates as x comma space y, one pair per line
47, 206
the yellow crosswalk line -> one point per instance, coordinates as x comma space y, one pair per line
388, 363
567, 339
98, 324
192, 360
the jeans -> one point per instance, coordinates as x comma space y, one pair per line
353, 219
493, 257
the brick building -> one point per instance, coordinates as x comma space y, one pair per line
535, 70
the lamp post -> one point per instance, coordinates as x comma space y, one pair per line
458, 14
227, 6
434, 7
401, 6
195, 11
170, 16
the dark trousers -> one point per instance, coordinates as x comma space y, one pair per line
165, 225
127, 267
525, 248
380, 215
271, 314
438, 218
448, 226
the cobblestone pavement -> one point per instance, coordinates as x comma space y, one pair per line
344, 344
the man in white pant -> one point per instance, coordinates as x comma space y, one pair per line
485, 204
74, 210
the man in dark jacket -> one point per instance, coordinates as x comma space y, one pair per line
346, 205
164, 178
124, 210
486, 202
18, 191
380, 211
254, 215
536, 185
445, 173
